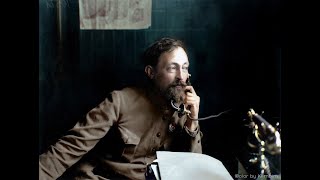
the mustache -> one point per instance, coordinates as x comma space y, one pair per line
178, 83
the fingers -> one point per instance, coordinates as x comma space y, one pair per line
191, 99
190, 88
189, 94
191, 102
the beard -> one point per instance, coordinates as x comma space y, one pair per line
174, 93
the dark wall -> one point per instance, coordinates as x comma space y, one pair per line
234, 49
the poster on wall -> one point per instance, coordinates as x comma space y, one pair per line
115, 14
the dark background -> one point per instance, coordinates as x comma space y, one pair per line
234, 48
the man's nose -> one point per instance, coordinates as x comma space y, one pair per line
179, 74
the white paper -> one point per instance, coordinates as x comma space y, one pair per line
115, 14
190, 166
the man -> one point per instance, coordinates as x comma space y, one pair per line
138, 122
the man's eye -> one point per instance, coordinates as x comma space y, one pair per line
172, 67
186, 68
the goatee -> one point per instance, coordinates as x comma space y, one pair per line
175, 91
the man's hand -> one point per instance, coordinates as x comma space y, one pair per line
192, 100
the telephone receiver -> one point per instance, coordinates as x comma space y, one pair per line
182, 109
188, 80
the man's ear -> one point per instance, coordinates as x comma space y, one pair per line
149, 71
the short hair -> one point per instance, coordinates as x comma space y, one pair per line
152, 53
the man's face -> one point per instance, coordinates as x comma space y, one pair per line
171, 74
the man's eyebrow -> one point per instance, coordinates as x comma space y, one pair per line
174, 63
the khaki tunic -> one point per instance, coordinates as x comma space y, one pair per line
119, 137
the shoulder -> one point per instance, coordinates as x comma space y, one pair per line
131, 90
130, 93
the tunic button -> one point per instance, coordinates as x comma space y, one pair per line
158, 134
172, 127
